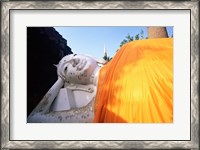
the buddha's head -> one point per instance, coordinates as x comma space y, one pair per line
77, 69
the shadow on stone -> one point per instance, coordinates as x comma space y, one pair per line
45, 47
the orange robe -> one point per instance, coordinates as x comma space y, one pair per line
136, 86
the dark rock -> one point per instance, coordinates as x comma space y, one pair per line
45, 47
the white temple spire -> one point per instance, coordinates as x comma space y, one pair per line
105, 52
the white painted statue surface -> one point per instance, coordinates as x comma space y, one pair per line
71, 98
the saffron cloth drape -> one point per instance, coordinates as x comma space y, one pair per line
136, 86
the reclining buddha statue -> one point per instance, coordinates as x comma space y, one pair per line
73, 102
136, 86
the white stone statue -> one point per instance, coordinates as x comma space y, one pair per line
71, 98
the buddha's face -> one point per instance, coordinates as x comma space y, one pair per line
77, 68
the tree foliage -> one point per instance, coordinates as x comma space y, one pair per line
130, 38
127, 39
107, 58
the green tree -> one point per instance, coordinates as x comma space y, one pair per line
130, 38
137, 37
107, 58
142, 34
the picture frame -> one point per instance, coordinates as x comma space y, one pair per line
6, 83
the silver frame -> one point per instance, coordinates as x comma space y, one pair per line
6, 6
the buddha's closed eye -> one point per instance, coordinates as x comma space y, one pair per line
75, 62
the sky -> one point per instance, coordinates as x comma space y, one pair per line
91, 40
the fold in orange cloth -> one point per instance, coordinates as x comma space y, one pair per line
136, 86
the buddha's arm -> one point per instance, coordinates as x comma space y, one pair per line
79, 115
42, 112
44, 105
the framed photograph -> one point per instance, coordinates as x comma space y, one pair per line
36, 83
